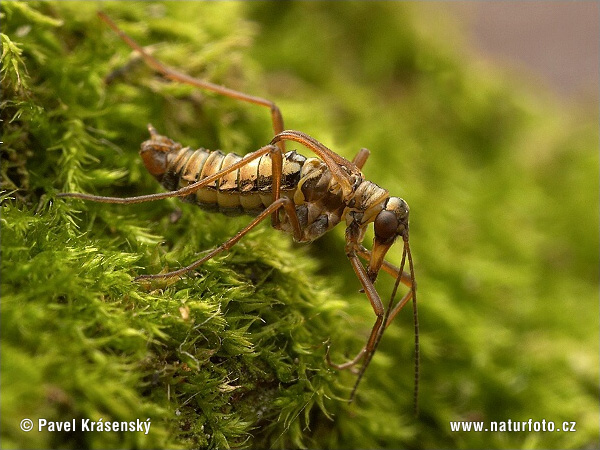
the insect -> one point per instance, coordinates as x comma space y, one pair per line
305, 197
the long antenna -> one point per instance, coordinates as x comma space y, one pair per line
415, 317
416, 326
384, 324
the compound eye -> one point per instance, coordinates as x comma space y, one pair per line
386, 225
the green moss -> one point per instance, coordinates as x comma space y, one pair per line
502, 183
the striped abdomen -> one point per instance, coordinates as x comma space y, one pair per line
248, 189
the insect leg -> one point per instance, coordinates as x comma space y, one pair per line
384, 317
172, 74
352, 362
379, 310
277, 169
394, 271
386, 266
377, 331
392, 312
175, 75
273, 208
361, 158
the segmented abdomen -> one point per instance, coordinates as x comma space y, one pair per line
248, 189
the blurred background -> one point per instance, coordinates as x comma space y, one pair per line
557, 42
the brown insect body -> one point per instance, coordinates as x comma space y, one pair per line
305, 197
319, 200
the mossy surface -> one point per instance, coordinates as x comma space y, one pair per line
501, 177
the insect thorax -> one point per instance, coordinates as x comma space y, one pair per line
321, 204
